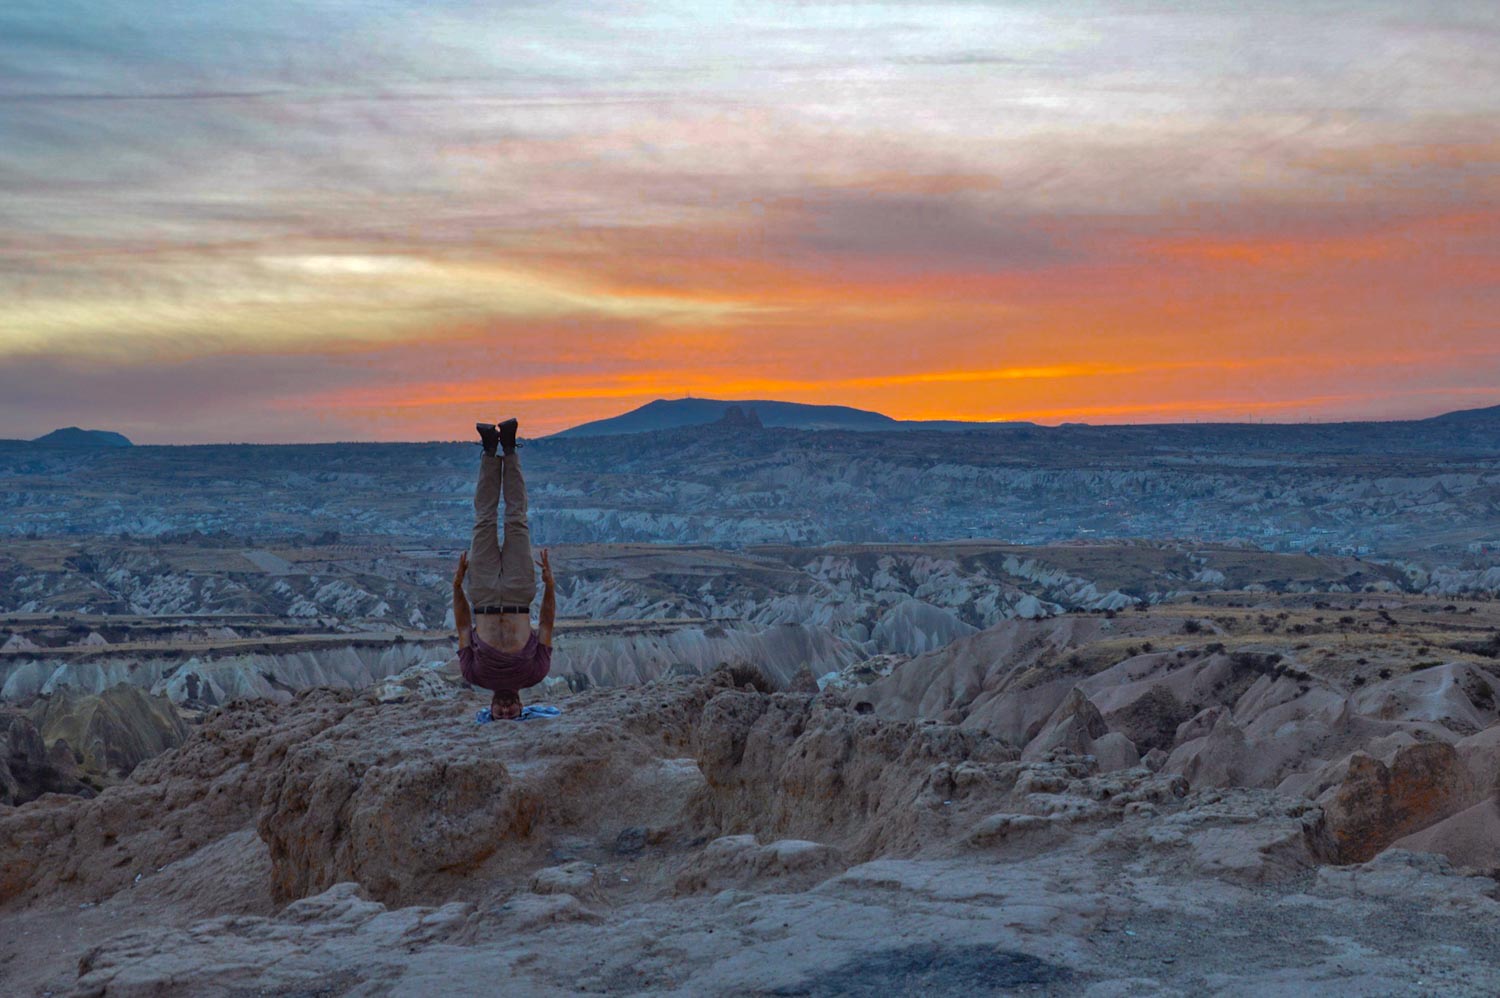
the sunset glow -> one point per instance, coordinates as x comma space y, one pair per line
310, 221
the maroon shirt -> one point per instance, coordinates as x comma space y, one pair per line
487, 666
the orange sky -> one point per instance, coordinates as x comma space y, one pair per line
1007, 213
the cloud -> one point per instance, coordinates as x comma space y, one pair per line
842, 201
920, 234
194, 400
185, 304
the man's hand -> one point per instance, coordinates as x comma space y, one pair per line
461, 618
549, 602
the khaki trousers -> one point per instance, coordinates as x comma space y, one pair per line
501, 573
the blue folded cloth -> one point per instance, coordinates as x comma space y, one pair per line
538, 710
527, 713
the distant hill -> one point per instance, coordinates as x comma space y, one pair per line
671, 414
1466, 427
72, 436
1489, 414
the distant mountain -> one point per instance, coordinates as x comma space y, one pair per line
72, 436
1465, 427
1489, 414
671, 414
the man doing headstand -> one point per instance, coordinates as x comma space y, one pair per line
501, 652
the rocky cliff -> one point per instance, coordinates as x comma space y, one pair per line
705, 836
75, 743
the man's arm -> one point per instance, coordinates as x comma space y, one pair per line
549, 602
461, 618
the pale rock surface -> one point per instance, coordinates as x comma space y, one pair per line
1247, 836
1415, 876
579, 879
781, 651
1385, 759
740, 862
702, 836
1076, 726
912, 627
991, 681
1470, 838
435, 680
216, 679
1480, 755
1458, 696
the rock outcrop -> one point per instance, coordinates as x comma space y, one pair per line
170, 807
1077, 727
1005, 681
110, 733
28, 768
795, 766
1376, 804
340, 807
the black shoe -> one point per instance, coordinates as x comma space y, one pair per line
507, 435
489, 437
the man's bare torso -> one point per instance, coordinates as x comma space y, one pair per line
504, 631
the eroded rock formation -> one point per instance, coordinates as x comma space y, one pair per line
28, 768
110, 733
382, 840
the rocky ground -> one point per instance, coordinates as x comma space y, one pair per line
1029, 810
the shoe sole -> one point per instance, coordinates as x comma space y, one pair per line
512, 425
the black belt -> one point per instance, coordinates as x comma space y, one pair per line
517, 608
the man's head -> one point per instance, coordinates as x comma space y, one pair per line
505, 705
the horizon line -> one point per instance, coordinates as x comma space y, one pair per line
976, 423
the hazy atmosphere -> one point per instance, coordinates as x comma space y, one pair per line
314, 221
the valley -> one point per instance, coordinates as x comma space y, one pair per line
1424, 492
